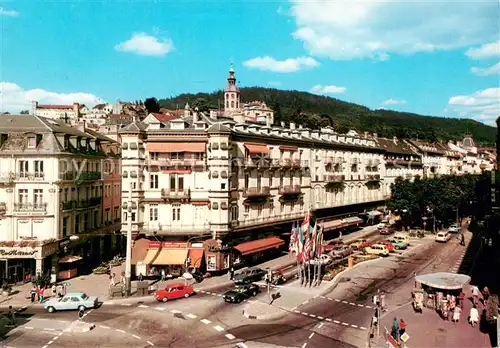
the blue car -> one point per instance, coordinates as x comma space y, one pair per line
71, 301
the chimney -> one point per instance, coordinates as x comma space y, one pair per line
395, 139
375, 135
34, 106
282, 124
292, 125
366, 135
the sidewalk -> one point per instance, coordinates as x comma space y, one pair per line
98, 284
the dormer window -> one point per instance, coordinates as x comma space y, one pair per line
31, 142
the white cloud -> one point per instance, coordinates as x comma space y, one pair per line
14, 98
146, 45
346, 29
488, 50
391, 101
483, 105
330, 89
8, 13
282, 66
492, 70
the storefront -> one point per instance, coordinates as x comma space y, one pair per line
256, 250
218, 255
22, 260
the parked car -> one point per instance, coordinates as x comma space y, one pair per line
405, 237
443, 237
453, 228
377, 249
323, 259
385, 231
174, 291
240, 293
381, 225
399, 244
249, 275
341, 251
360, 244
388, 245
71, 301
331, 245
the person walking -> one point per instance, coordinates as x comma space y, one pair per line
163, 277
456, 314
473, 316
33, 294
462, 239
41, 292
395, 329
475, 295
402, 327
231, 273
461, 299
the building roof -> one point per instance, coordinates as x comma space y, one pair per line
218, 128
134, 126
398, 147
427, 147
164, 117
58, 107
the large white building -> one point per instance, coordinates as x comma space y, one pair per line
51, 189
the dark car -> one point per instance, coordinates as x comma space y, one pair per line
331, 245
241, 292
341, 251
249, 275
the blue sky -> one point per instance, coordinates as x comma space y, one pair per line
433, 58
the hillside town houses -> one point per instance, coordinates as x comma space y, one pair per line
210, 190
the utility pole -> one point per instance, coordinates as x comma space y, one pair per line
128, 261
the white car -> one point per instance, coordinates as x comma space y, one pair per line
381, 225
443, 237
453, 228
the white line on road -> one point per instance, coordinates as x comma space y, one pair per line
175, 311
345, 302
311, 335
104, 327
29, 327
205, 321
126, 304
119, 330
213, 293
328, 319
356, 326
160, 308
322, 296
337, 300
312, 315
230, 337
150, 343
135, 336
362, 328
296, 311
191, 316
336, 322
55, 338
304, 345
50, 342
218, 328
320, 318
45, 346
352, 303
304, 313
49, 329
320, 325
360, 305
242, 345
60, 334
345, 324
305, 302
143, 306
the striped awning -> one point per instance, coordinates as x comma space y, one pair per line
257, 148
332, 224
352, 220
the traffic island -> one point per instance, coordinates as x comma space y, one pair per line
258, 310
79, 326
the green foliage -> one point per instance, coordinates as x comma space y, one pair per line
152, 105
41, 280
442, 195
313, 111
24, 112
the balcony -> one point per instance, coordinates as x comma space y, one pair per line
329, 161
251, 192
68, 205
36, 176
296, 163
183, 229
290, 190
175, 163
334, 178
80, 176
30, 207
87, 203
269, 220
373, 177
286, 162
175, 194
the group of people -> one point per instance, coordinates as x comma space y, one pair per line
398, 328
37, 293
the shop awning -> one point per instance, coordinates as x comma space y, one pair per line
196, 257
175, 147
289, 148
353, 220
70, 259
332, 224
171, 257
150, 256
140, 250
255, 246
444, 280
257, 148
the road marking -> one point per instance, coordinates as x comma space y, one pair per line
360, 305
160, 308
29, 327
305, 302
143, 306
345, 302
336, 300
205, 321
322, 296
304, 345
49, 329
362, 328
230, 337
345, 324
104, 327
55, 338
321, 318
320, 325
356, 326
352, 303
218, 328
45, 346
242, 345
60, 334
336, 322
119, 330
150, 343
136, 337
312, 315
213, 293
175, 311
191, 316
328, 319
304, 313
50, 342
296, 311
220, 295
311, 335
126, 304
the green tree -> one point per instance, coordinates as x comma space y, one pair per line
152, 105
24, 112
202, 104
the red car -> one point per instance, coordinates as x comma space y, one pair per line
333, 244
174, 291
387, 244
341, 251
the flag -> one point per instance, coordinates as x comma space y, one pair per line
306, 253
319, 242
293, 237
300, 238
314, 236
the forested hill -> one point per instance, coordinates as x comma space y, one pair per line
313, 111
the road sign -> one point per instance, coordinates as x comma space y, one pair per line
405, 337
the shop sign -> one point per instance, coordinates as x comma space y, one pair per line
218, 248
167, 245
49, 249
17, 253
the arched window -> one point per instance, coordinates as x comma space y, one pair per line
232, 96
227, 104
237, 104
232, 104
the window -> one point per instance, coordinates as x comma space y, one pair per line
232, 104
31, 142
132, 216
65, 227
181, 183
223, 186
176, 214
39, 169
23, 196
153, 156
85, 221
172, 182
23, 169
282, 207
153, 183
96, 219
125, 216
77, 224
259, 211
153, 214
38, 196
106, 214
247, 179
134, 185
247, 209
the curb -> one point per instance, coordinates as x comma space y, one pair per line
266, 317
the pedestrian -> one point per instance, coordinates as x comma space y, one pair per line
382, 302
54, 290
231, 274
38, 293
42, 292
10, 316
456, 314
475, 295
486, 294
402, 327
453, 302
462, 239
163, 277
461, 299
140, 277
473, 316
33, 294
395, 329
340, 236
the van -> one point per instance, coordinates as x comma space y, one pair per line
402, 237
377, 249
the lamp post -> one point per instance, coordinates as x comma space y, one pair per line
128, 260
